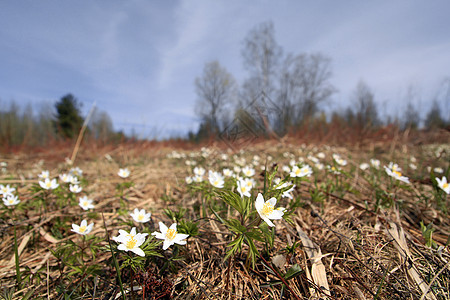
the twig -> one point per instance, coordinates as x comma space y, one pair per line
432, 280
80, 135
281, 278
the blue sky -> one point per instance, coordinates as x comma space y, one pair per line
138, 59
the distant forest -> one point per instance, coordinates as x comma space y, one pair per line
21, 127
287, 93
284, 93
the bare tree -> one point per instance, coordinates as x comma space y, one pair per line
305, 84
411, 116
366, 113
215, 90
262, 56
101, 126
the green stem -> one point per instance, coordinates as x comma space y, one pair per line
116, 264
16, 256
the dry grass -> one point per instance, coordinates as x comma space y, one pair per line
348, 250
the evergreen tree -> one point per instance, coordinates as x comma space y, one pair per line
68, 118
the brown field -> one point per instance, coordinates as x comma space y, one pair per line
349, 246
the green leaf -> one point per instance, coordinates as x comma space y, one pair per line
293, 271
235, 226
234, 200
235, 246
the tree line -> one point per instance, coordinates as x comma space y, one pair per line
63, 121
288, 92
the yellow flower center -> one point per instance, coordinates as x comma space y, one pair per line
243, 189
140, 217
267, 208
82, 229
171, 233
131, 243
48, 184
216, 182
85, 203
445, 185
11, 201
397, 173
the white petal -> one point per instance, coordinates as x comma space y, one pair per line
167, 244
173, 226
89, 228
180, 237
272, 201
163, 228
259, 203
133, 231
158, 235
138, 251
276, 215
268, 221
122, 247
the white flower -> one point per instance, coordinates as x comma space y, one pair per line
189, 179
364, 166
375, 163
443, 184
438, 170
48, 184
243, 189
170, 235
286, 169
131, 241
124, 173
140, 216
412, 166
227, 172
216, 179
301, 172
321, 155
199, 171
276, 181
198, 178
267, 211
287, 193
320, 166
76, 171
6, 190
11, 200
85, 203
65, 178
75, 188
44, 174
394, 170
74, 180
237, 169
249, 182
313, 159
248, 171
333, 170
83, 229
340, 161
